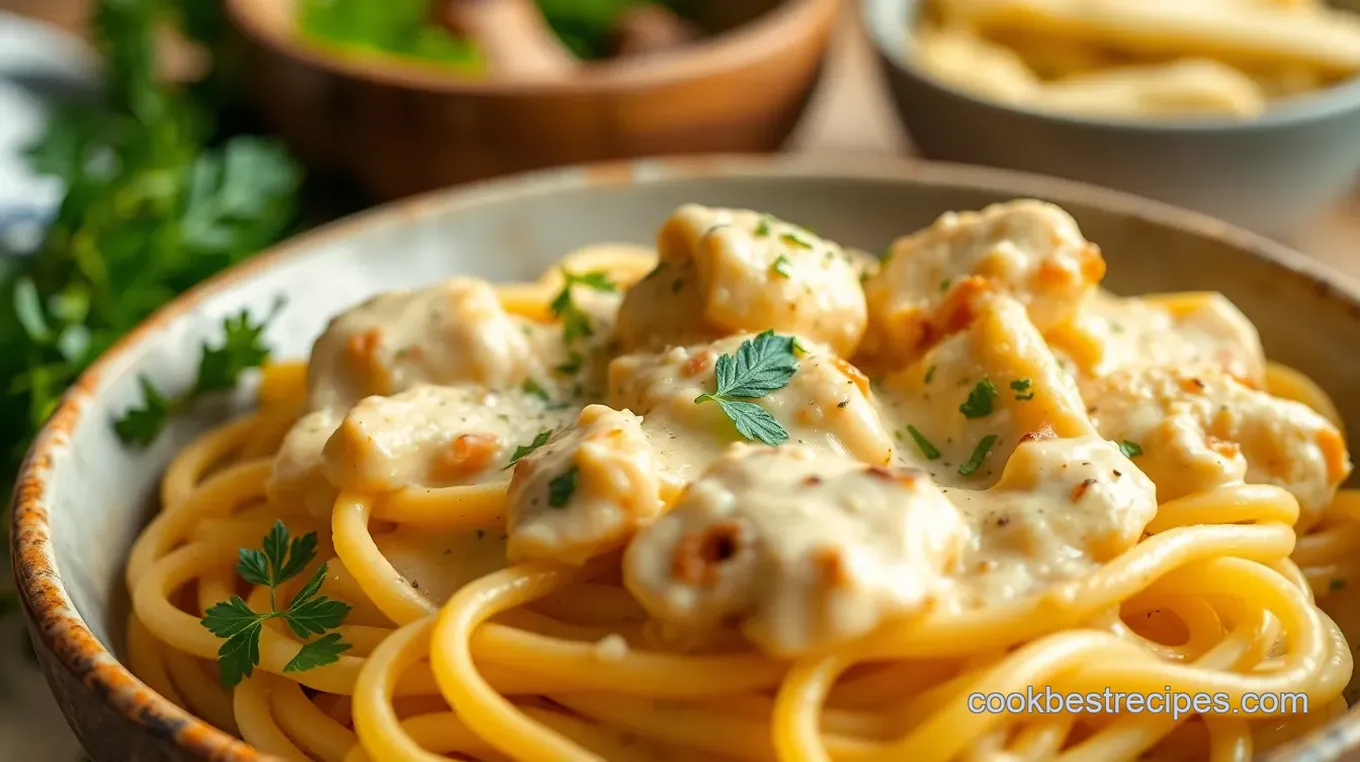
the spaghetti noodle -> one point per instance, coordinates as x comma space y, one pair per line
684, 595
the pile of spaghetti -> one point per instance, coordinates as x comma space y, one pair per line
754, 496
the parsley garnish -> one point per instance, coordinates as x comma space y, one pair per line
1021, 386
575, 323
1336, 584
930, 373
944, 285
1130, 449
763, 229
532, 387
572, 364
979, 454
927, 449
219, 368
793, 239
561, 488
523, 450
780, 266
308, 614
760, 366
979, 402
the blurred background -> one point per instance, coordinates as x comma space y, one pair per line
147, 144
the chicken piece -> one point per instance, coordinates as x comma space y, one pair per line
434, 436
1199, 428
804, 548
1029, 250
1062, 507
295, 476
826, 404
724, 271
1111, 333
962, 409
586, 491
454, 332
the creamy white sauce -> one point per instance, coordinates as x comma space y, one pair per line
1029, 250
435, 436
983, 462
724, 271
1110, 333
996, 379
827, 405
803, 547
454, 332
437, 563
1199, 428
584, 492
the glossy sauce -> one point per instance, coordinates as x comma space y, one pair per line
1004, 443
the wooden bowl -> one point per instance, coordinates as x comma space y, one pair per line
83, 496
401, 128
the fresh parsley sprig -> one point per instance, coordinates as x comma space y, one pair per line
219, 368
760, 365
309, 613
159, 194
575, 322
523, 451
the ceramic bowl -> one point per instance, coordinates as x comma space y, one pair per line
1271, 174
403, 128
83, 496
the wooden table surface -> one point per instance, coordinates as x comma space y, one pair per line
851, 115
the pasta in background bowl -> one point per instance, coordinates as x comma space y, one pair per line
797, 466
1192, 103
1158, 59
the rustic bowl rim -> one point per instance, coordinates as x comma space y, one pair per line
48, 607
1328, 103
761, 38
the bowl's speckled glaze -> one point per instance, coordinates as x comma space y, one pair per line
82, 496
1269, 174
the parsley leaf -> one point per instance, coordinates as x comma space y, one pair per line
1130, 449
141, 425
794, 240
763, 229
572, 365
780, 266
317, 653
979, 454
930, 374
279, 559
754, 422
927, 449
1021, 386
979, 402
522, 450
562, 487
575, 323
219, 369
532, 387
760, 365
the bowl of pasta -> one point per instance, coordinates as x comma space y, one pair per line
656, 461
1246, 109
